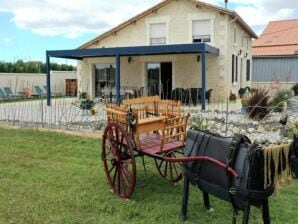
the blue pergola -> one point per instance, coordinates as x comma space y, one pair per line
117, 52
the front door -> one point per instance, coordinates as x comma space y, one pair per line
160, 79
166, 80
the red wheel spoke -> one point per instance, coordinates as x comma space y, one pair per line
115, 174
126, 171
110, 170
161, 162
175, 169
171, 171
166, 169
124, 177
118, 159
128, 161
118, 181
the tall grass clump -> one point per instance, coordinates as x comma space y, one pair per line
278, 100
257, 104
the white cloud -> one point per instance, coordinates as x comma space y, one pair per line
7, 40
71, 18
257, 13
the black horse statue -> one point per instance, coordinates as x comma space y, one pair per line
294, 157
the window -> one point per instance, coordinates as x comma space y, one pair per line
248, 70
201, 31
158, 34
105, 76
234, 68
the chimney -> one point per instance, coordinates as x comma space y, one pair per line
226, 4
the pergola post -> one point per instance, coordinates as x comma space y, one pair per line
118, 85
48, 79
203, 94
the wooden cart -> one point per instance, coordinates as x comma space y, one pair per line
146, 126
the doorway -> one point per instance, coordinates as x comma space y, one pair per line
71, 87
160, 79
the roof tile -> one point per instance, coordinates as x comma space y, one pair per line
278, 38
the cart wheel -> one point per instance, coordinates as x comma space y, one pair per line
119, 161
170, 170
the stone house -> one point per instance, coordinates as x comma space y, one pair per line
170, 23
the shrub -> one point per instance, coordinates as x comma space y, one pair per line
86, 104
198, 122
83, 95
232, 96
295, 88
258, 104
278, 100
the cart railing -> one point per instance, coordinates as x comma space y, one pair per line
162, 132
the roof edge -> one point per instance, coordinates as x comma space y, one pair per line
126, 23
121, 26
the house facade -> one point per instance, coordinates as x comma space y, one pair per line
275, 55
168, 23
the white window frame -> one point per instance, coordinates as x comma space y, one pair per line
204, 38
159, 39
158, 19
201, 16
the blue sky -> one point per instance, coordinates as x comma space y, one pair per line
28, 27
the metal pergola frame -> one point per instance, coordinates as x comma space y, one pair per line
117, 52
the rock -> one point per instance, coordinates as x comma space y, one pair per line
211, 123
259, 140
243, 132
236, 130
251, 130
255, 123
261, 129
230, 128
218, 126
223, 128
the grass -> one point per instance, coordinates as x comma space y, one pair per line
46, 177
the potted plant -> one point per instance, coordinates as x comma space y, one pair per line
244, 103
87, 104
241, 92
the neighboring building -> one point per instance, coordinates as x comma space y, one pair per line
174, 22
275, 55
63, 82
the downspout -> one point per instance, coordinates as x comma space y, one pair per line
229, 41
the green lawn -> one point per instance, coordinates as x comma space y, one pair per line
47, 177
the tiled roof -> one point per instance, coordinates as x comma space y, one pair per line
278, 38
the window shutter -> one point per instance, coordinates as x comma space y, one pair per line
158, 30
236, 73
233, 67
248, 70
201, 30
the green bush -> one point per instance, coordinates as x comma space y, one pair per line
86, 104
241, 92
257, 104
279, 99
295, 88
199, 122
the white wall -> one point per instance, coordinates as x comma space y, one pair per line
178, 17
18, 81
